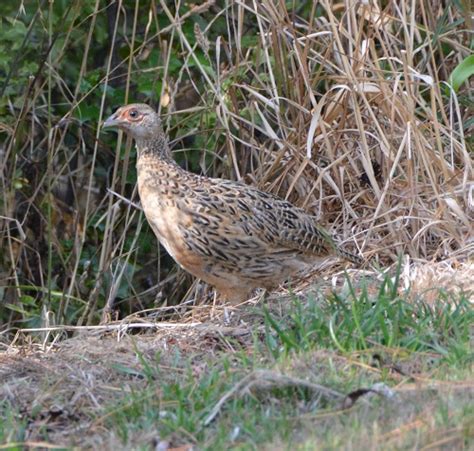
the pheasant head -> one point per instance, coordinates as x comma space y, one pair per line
143, 124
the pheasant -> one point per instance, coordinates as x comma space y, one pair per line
233, 236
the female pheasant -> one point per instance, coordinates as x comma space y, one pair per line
233, 236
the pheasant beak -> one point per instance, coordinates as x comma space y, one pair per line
112, 121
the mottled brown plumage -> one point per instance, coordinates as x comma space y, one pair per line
233, 236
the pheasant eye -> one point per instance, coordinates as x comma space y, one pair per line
133, 114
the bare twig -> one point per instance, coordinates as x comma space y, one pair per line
267, 379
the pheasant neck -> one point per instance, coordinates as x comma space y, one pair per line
158, 172
154, 157
156, 147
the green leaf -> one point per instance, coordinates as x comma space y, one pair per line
462, 72
16, 308
28, 300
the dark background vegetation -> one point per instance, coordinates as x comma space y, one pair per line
245, 94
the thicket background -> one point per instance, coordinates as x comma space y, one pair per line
346, 108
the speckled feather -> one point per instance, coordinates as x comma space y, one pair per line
231, 235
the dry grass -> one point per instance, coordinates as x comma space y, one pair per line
339, 107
